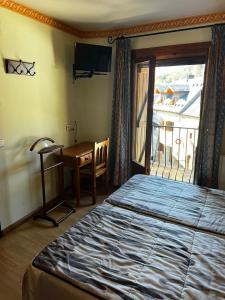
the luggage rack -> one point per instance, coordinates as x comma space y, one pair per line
45, 210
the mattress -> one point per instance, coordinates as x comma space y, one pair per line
115, 253
40, 285
179, 202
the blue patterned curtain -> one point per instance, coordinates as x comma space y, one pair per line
120, 153
212, 113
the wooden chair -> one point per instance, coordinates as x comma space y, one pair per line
99, 166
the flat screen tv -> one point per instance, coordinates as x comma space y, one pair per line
92, 58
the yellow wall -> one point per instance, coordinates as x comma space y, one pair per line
183, 37
95, 95
94, 102
31, 107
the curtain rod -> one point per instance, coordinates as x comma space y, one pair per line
111, 40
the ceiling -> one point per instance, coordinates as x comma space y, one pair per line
93, 15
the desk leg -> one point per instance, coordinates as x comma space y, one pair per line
77, 184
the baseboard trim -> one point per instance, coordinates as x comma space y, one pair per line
20, 221
25, 218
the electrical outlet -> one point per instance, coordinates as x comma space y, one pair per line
2, 143
69, 127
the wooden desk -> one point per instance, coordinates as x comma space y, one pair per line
76, 157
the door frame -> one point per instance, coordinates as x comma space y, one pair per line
191, 53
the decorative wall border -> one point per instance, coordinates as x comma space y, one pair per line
159, 26
150, 27
38, 16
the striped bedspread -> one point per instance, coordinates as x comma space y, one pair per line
115, 253
179, 202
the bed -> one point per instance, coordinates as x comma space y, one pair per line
184, 203
121, 251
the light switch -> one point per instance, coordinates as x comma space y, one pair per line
2, 143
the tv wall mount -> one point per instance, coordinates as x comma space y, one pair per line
77, 74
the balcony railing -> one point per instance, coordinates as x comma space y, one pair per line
173, 151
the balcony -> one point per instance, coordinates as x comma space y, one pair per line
173, 152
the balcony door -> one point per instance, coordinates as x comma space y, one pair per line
164, 142
143, 96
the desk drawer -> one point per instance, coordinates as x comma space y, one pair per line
85, 159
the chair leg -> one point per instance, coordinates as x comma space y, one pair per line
93, 188
106, 179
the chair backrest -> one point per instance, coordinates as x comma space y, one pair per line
100, 155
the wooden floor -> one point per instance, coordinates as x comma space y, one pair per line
19, 246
